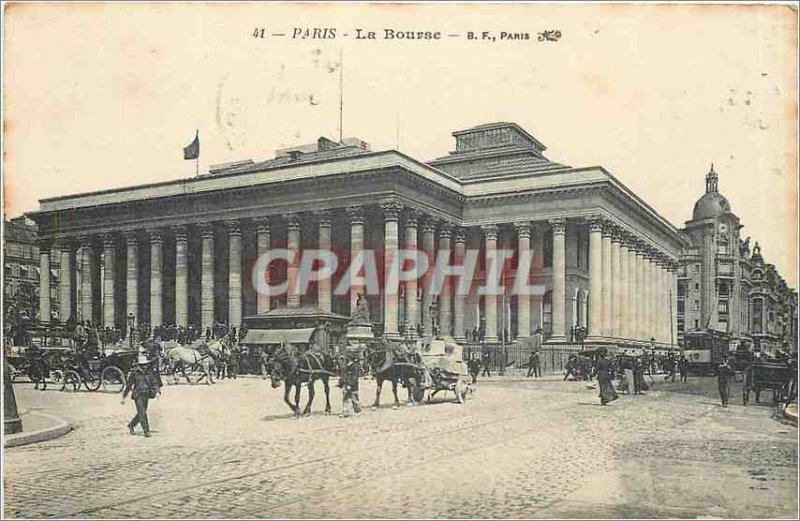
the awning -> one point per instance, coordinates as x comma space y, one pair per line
278, 336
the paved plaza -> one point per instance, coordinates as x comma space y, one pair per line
518, 448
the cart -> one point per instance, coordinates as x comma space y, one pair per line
443, 368
767, 376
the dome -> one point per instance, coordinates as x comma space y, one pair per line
712, 204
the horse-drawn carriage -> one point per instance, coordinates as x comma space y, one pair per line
443, 368
768, 376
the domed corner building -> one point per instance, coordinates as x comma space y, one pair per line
182, 251
724, 286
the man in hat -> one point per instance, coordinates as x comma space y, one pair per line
143, 384
725, 374
351, 371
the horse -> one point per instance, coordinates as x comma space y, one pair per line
294, 369
385, 362
179, 357
219, 350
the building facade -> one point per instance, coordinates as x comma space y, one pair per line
22, 271
182, 251
724, 286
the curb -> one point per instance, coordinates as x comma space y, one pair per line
60, 428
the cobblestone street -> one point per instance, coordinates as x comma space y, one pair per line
518, 448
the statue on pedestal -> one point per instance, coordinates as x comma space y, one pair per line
362, 316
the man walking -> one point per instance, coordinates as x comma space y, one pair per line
143, 385
485, 362
534, 365
683, 368
725, 373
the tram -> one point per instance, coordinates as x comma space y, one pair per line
705, 349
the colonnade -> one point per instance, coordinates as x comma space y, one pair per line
631, 285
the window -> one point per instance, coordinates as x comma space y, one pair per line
697, 305
722, 307
681, 305
547, 313
547, 248
722, 247
697, 268
723, 290
697, 286
725, 269
756, 309
580, 248
681, 290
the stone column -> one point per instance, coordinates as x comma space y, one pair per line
391, 212
429, 250
624, 288
324, 298
262, 246
293, 245
459, 299
559, 278
640, 293
207, 277
648, 296
673, 283
616, 293
490, 301
606, 289
445, 309
356, 216
181, 276
632, 305
595, 278
234, 274
86, 304
44, 281
132, 275
523, 301
109, 280
410, 243
156, 277
65, 281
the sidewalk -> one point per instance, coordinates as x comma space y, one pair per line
37, 427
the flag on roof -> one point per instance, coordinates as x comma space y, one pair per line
193, 150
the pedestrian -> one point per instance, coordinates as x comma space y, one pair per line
485, 362
630, 383
639, 384
474, 366
604, 377
535, 367
571, 367
725, 374
351, 371
683, 368
143, 384
670, 367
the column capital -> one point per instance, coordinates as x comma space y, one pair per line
44, 245
445, 230
65, 243
156, 234
608, 229
460, 235
490, 231
85, 240
234, 227
559, 226
131, 237
261, 223
411, 217
523, 229
391, 210
323, 218
181, 232
596, 224
428, 224
617, 235
292, 221
207, 230
355, 214
109, 241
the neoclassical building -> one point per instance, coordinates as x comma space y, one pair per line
181, 251
725, 287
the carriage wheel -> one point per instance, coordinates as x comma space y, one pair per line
113, 380
57, 376
94, 381
71, 381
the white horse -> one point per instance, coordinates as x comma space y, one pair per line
182, 357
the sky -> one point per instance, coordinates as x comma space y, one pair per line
102, 96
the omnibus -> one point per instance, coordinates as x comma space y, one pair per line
705, 349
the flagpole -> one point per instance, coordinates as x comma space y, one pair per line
197, 159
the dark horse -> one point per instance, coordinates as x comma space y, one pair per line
388, 362
294, 369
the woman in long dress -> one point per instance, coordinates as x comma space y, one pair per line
604, 376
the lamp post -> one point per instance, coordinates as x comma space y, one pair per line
11, 422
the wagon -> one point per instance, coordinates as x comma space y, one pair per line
767, 376
444, 369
